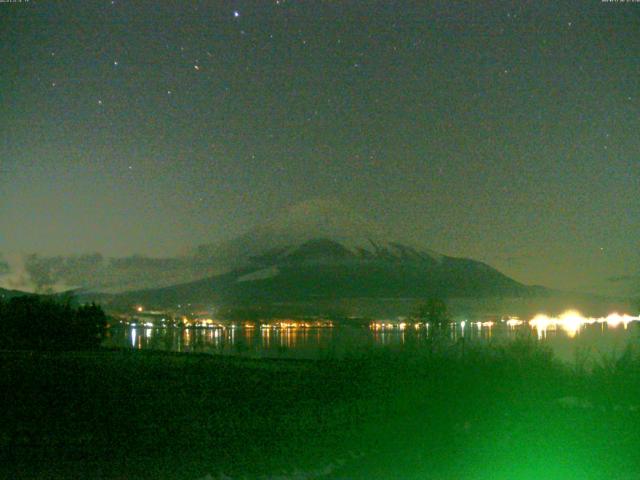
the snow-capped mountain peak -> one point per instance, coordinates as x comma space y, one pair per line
315, 227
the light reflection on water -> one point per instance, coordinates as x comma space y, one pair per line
296, 342
565, 339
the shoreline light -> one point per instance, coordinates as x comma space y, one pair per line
572, 321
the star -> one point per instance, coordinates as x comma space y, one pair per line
115, 63
99, 102
236, 14
197, 67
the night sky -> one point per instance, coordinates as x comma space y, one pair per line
508, 132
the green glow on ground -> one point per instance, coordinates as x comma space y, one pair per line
508, 412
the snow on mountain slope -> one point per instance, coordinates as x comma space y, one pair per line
322, 250
314, 220
286, 236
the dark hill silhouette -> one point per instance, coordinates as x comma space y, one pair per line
7, 294
326, 269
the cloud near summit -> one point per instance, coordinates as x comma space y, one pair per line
44, 274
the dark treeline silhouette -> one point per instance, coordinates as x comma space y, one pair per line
434, 311
43, 323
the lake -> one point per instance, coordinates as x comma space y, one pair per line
567, 338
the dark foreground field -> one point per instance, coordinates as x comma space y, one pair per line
497, 413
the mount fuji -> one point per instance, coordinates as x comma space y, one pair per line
303, 223
319, 252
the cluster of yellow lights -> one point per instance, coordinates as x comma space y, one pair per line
419, 325
514, 322
299, 324
389, 325
205, 322
572, 321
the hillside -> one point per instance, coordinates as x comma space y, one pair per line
324, 270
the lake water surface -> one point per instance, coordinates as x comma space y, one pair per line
592, 340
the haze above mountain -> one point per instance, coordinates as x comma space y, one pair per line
317, 255
330, 221
302, 222
317, 219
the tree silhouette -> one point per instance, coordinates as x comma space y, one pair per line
33, 322
434, 311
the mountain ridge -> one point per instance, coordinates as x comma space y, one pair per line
324, 269
316, 249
